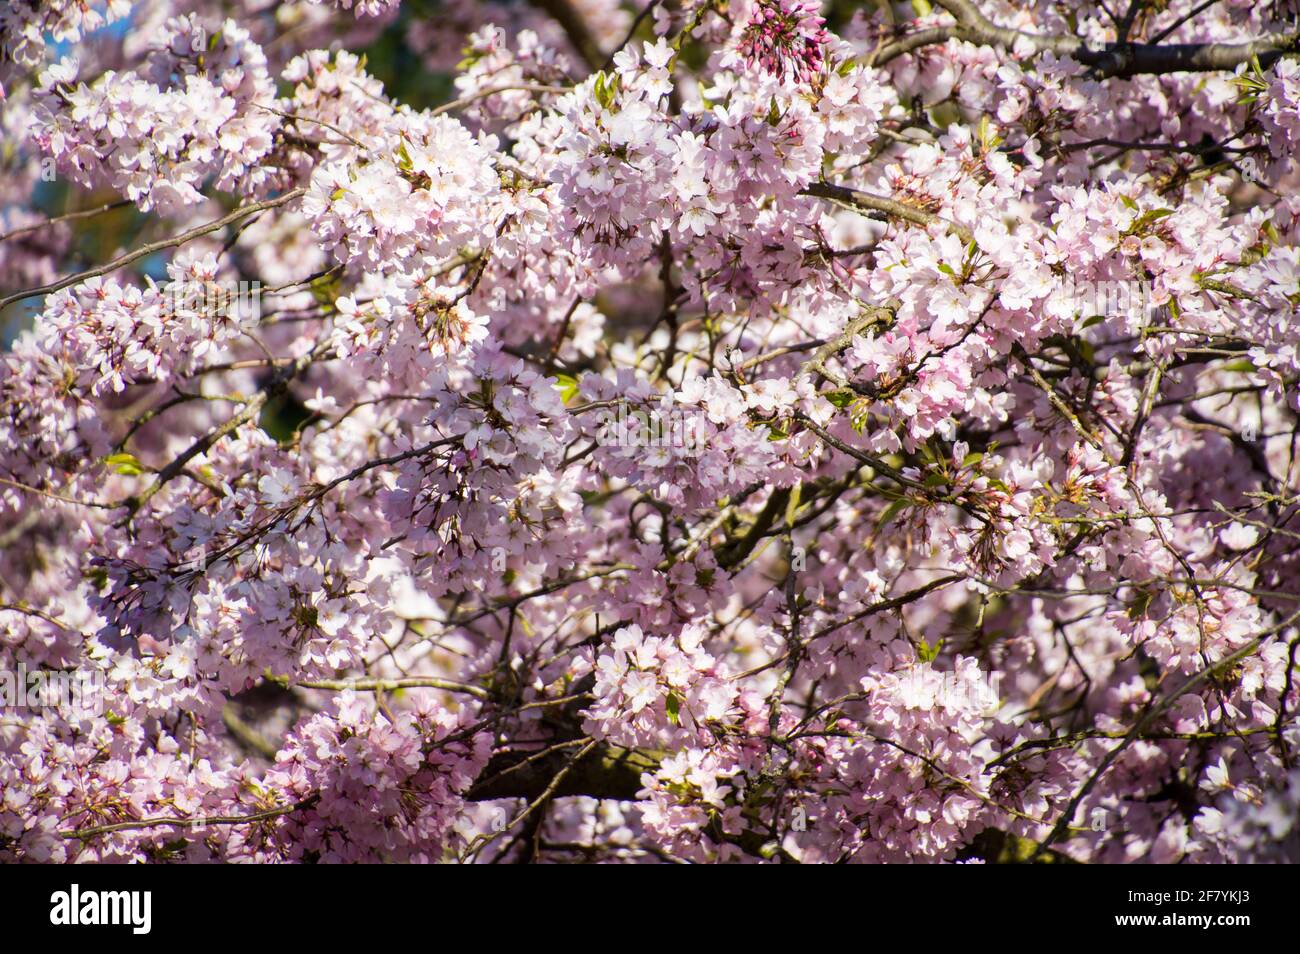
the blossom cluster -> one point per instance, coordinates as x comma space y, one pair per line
200, 107
785, 36
752, 432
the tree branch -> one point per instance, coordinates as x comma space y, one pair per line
146, 250
1114, 60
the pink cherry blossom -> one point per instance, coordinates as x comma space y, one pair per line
746, 432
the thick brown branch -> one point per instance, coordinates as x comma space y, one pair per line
609, 771
890, 208
1118, 60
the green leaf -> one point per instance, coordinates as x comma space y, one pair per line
674, 706
792, 505
605, 87
1241, 366
927, 653
945, 114
404, 157
568, 387
841, 398
1147, 218
125, 464
470, 58
892, 511
1138, 608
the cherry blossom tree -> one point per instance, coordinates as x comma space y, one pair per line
682, 431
